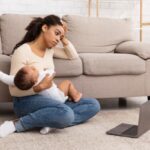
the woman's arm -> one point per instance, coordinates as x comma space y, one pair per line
43, 85
67, 52
18, 60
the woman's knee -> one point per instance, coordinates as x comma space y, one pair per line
67, 117
64, 117
94, 104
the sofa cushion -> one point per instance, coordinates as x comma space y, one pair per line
5, 67
5, 63
112, 64
0, 45
140, 49
90, 34
68, 68
0, 42
13, 29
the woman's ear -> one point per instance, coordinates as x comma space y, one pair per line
44, 28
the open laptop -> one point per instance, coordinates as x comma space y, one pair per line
134, 131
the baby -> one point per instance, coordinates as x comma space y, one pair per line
29, 76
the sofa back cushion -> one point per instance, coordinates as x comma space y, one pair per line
13, 29
90, 34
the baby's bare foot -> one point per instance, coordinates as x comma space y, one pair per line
77, 97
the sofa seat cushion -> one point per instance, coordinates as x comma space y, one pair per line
5, 67
5, 63
112, 64
68, 68
0, 45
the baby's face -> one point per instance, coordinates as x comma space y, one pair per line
32, 72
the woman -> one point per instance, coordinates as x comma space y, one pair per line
38, 48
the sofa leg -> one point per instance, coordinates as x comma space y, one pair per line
122, 102
148, 97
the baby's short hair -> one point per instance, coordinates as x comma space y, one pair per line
22, 80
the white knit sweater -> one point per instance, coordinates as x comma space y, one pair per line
24, 55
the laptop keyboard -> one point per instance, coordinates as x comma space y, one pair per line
131, 131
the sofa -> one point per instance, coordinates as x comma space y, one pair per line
110, 64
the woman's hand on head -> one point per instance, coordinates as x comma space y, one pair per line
65, 27
44, 84
64, 41
63, 38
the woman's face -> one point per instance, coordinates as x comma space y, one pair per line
52, 35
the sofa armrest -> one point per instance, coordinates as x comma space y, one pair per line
137, 48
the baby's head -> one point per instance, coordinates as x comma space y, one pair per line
26, 77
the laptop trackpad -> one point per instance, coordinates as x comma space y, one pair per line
119, 129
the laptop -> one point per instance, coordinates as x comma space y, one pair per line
134, 131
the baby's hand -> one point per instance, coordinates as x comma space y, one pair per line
46, 83
51, 72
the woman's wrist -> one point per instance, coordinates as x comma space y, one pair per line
65, 41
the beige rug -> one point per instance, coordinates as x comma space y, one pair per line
88, 136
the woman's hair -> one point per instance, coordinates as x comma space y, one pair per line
35, 26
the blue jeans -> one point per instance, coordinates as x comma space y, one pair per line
39, 111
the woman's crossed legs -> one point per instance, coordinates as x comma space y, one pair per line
39, 111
